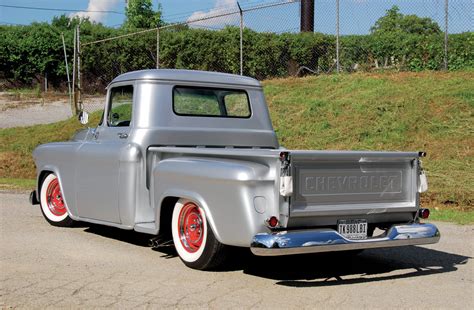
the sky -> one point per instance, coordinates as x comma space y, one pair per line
356, 16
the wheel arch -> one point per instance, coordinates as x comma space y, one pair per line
41, 176
167, 204
44, 172
165, 215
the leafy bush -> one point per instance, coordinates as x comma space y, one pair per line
397, 41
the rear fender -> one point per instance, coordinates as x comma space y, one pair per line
225, 188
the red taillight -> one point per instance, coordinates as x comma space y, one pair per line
424, 213
273, 221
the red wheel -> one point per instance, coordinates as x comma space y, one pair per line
52, 203
191, 227
193, 238
54, 198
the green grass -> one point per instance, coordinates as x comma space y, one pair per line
452, 215
28, 92
429, 111
17, 184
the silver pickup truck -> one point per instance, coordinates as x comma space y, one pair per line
191, 157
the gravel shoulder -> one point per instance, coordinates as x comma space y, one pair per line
33, 114
15, 112
95, 266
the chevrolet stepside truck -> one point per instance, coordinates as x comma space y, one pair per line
191, 158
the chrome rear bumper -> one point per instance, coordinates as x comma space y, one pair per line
328, 240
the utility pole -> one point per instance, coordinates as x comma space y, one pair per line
307, 16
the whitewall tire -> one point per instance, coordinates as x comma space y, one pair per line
189, 228
194, 239
52, 203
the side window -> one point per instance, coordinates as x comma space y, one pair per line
194, 101
120, 103
236, 104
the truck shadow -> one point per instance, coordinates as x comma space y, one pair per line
314, 270
128, 236
343, 268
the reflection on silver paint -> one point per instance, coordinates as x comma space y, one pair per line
327, 240
260, 204
120, 176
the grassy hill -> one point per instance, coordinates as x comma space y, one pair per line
429, 111
425, 111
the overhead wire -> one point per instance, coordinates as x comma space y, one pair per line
58, 10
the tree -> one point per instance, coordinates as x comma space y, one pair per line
405, 41
140, 15
394, 21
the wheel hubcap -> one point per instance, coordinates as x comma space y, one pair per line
55, 198
190, 227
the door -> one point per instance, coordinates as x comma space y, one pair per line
98, 159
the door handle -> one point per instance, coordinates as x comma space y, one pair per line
122, 135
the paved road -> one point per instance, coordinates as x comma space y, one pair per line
93, 266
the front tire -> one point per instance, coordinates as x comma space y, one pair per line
52, 203
193, 238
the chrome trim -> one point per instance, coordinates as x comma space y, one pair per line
328, 240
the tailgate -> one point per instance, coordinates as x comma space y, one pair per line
344, 183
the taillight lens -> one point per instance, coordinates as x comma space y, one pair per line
424, 213
273, 221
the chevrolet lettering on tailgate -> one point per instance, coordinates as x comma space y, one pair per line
389, 182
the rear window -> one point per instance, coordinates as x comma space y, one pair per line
213, 102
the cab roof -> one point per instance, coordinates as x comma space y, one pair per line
187, 76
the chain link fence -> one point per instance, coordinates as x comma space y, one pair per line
264, 41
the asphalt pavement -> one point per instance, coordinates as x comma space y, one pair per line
96, 266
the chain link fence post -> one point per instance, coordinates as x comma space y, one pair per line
241, 39
73, 110
74, 71
338, 65
158, 48
79, 107
446, 5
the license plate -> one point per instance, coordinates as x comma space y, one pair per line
353, 229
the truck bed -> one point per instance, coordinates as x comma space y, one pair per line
332, 185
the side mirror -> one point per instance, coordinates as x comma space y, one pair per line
83, 117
